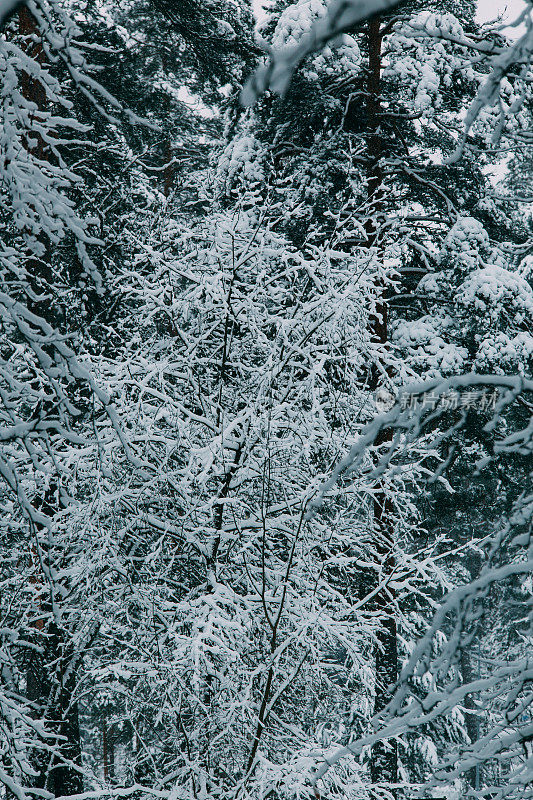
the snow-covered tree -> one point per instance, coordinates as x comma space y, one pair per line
433, 686
240, 389
363, 136
50, 404
203, 593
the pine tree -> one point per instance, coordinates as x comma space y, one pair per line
380, 116
225, 610
44, 392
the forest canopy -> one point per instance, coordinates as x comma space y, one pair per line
266, 394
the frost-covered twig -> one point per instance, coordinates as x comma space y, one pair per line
342, 15
510, 557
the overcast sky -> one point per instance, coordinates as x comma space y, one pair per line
489, 9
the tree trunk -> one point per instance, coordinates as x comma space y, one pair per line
108, 751
50, 684
384, 760
51, 671
32, 90
384, 757
169, 169
473, 564
64, 779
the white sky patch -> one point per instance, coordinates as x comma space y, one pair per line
195, 103
509, 10
258, 7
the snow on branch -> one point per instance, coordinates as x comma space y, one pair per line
7, 7
506, 688
409, 423
507, 684
517, 54
341, 17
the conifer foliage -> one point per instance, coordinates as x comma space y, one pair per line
265, 401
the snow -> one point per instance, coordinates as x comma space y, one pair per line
340, 17
431, 353
502, 353
466, 241
193, 473
496, 290
241, 158
296, 20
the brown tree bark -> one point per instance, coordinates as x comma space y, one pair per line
169, 169
51, 682
384, 757
473, 564
108, 752
32, 90
51, 670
